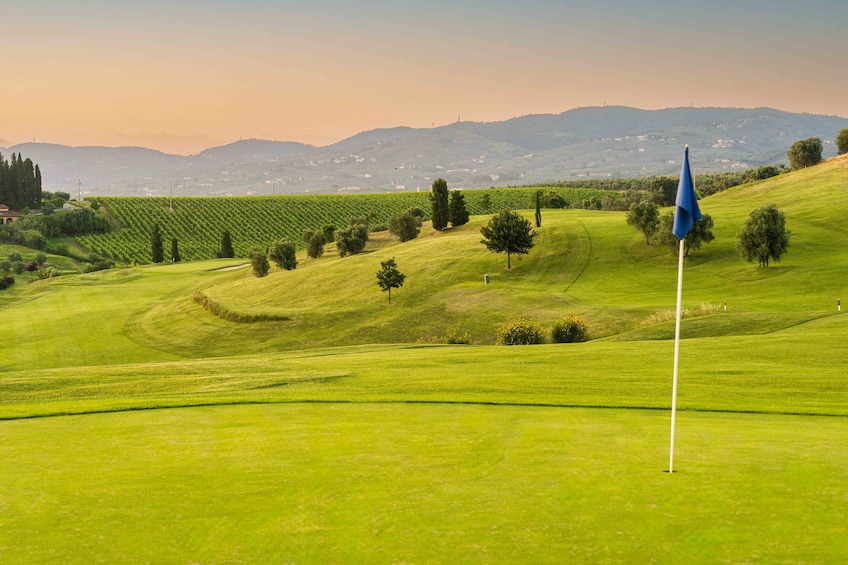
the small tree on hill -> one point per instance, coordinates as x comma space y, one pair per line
227, 251
315, 246
405, 226
329, 231
156, 245
663, 191
805, 153
764, 236
508, 232
701, 232
283, 254
439, 203
306, 235
352, 239
175, 250
842, 141
645, 218
259, 262
538, 198
388, 277
458, 212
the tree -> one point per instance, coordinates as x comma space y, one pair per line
306, 235
388, 277
701, 232
328, 230
405, 226
663, 191
645, 218
439, 204
259, 262
283, 254
156, 248
508, 232
764, 236
486, 202
842, 141
175, 250
538, 198
805, 153
315, 245
458, 213
227, 251
352, 239
417, 212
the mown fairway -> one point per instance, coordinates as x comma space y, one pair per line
141, 428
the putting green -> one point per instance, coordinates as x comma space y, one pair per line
395, 483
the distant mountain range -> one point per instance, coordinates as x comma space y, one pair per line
584, 143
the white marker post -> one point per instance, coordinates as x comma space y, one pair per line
685, 216
676, 355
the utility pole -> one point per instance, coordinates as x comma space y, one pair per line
79, 190
171, 198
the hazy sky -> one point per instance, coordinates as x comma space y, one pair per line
183, 75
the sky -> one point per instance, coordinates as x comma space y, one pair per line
184, 75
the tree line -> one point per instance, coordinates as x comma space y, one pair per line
20, 183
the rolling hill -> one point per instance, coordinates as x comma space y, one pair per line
591, 143
139, 427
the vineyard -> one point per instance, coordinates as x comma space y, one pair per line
257, 221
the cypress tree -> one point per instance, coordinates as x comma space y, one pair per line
156, 245
37, 187
439, 204
458, 211
175, 250
227, 251
538, 209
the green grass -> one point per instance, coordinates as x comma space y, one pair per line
257, 221
333, 437
421, 484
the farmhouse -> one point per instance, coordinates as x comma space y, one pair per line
7, 216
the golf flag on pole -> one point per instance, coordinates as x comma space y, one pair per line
687, 212
685, 216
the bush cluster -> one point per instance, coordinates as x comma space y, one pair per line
521, 332
569, 329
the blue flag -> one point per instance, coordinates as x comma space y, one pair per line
687, 212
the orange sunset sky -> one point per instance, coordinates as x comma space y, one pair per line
181, 76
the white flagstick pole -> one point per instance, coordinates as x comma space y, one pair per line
676, 355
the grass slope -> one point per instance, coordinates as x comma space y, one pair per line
393, 452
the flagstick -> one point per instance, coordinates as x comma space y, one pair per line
676, 355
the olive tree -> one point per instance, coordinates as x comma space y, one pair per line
764, 236
645, 218
805, 153
388, 277
508, 232
842, 141
701, 232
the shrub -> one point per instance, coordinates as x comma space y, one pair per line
453, 337
259, 262
315, 245
379, 227
569, 329
405, 226
520, 332
6, 281
49, 272
283, 254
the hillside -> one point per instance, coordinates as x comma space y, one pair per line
587, 262
124, 406
597, 142
257, 221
